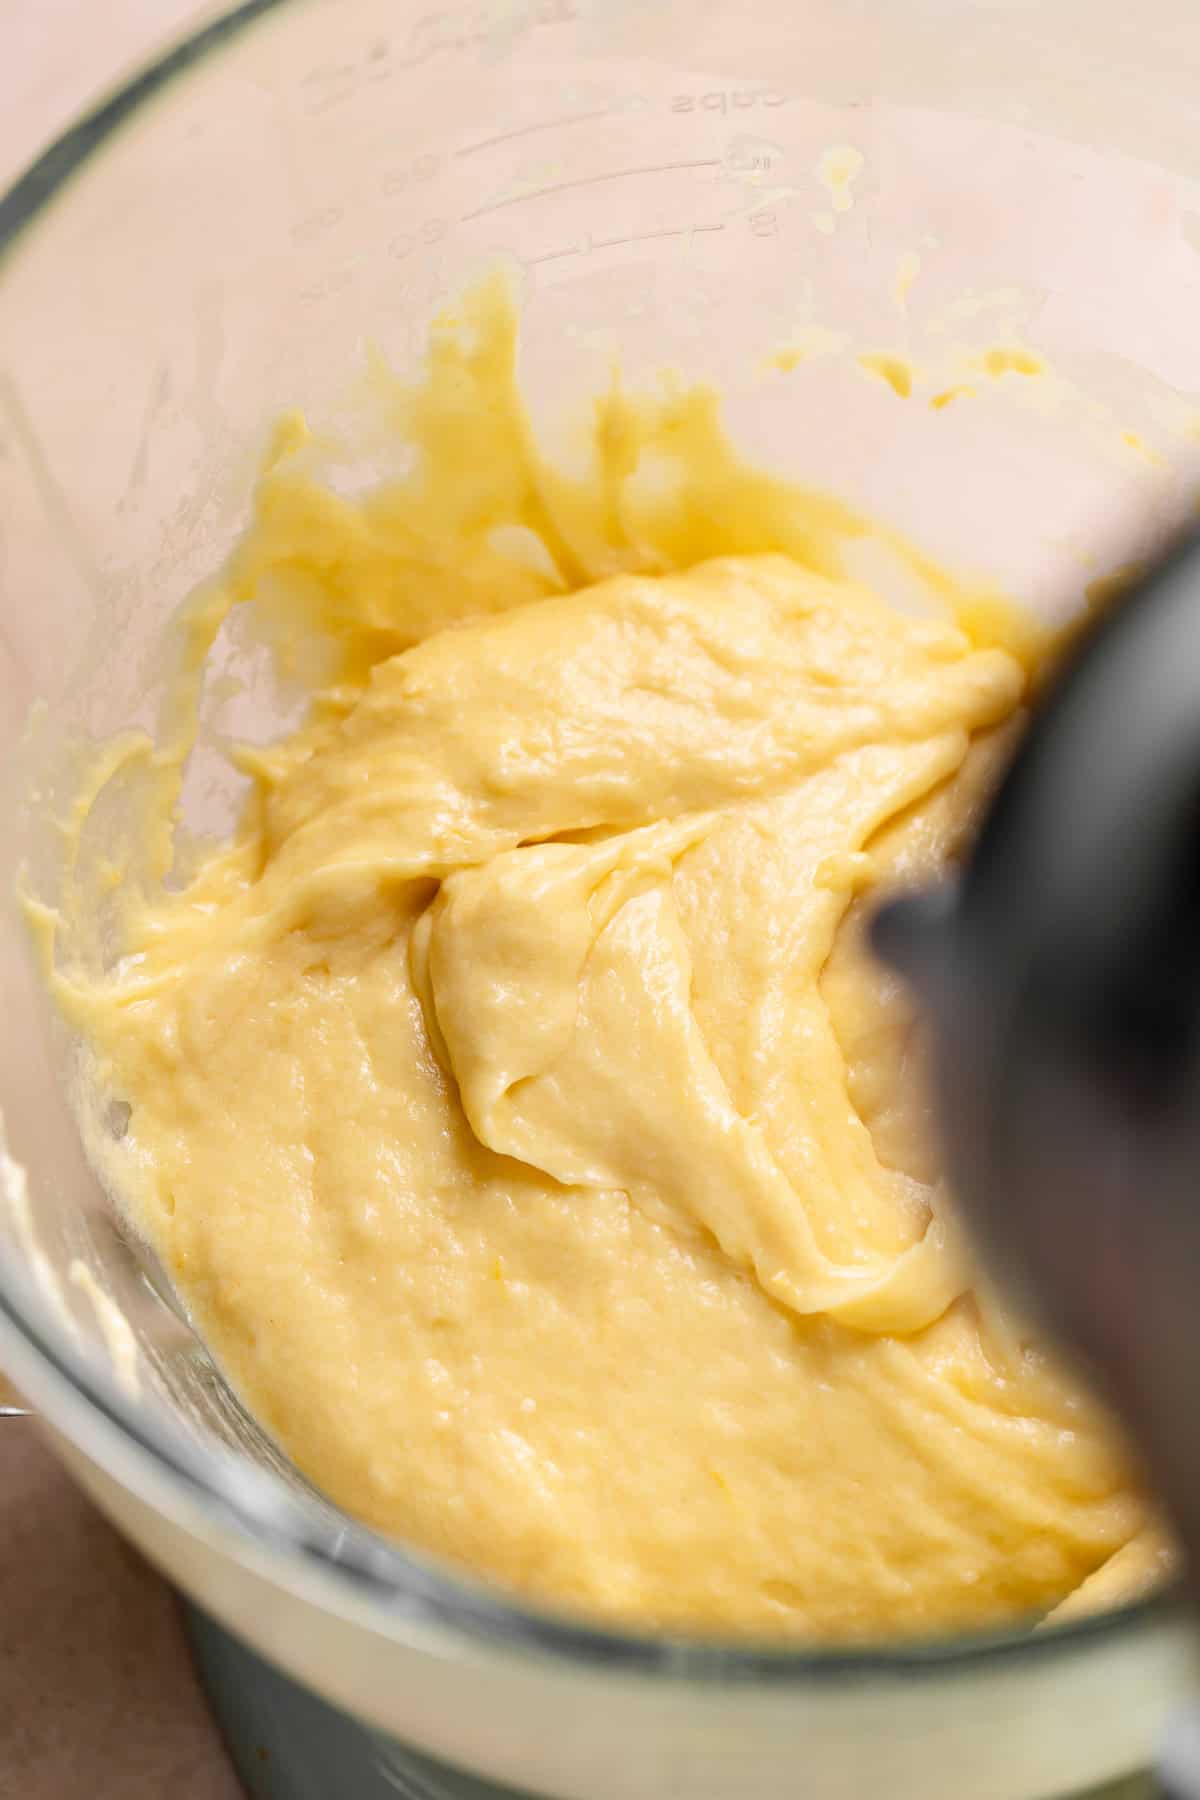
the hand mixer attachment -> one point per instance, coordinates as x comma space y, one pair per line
1061, 974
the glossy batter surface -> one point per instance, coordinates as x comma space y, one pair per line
514, 1101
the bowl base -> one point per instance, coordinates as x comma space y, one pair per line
288, 1744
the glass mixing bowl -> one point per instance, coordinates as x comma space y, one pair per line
217, 242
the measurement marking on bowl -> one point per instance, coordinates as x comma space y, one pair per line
649, 237
401, 178
582, 181
479, 28
507, 137
637, 237
587, 244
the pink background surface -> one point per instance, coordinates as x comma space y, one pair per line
97, 1696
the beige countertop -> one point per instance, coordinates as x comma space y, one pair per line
97, 1696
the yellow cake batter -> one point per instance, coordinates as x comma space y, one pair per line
515, 1103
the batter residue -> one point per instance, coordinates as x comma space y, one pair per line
514, 1101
